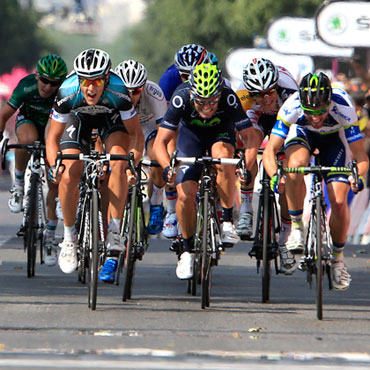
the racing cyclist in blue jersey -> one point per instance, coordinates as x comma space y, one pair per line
92, 97
318, 117
204, 113
186, 58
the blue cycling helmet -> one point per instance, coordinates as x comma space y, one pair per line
189, 56
212, 58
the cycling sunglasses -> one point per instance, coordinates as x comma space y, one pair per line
261, 94
86, 83
203, 102
46, 81
315, 112
135, 91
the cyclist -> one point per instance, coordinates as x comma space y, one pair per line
264, 89
92, 97
187, 57
318, 117
33, 97
204, 113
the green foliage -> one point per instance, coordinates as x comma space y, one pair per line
21, 40
217, 25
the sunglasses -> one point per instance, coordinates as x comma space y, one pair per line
207, 102
185, 76
46, 81
315, 112
86, 83
261, 94
136, 91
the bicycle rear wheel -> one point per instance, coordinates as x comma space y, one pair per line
31, 231
206, 270
130, 258
266, 242
319, 260
94, 249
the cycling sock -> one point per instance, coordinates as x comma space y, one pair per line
70, 234
227, 214
338, 251
171, 196
19, 177
188, 244
114, 225
246, 199
296, 217
157, 196
51, 226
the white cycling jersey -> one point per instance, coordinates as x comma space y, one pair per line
151, 109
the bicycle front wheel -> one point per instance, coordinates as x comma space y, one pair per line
319, 260
130, 258
266, 242
206, 255
94, 249
31, 231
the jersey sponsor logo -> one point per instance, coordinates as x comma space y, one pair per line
66, 98
119, 94
214, 121
184, 168
155, 93
336, 111
177, 101
232, 101
71, 130
94, 109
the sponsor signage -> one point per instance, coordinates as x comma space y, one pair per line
290, 35
344, 23
236, 60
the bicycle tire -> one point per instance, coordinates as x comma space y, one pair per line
83, 245
94, 249
206, 256
31, 231
130, 257
319, 261
266, 241
41, 221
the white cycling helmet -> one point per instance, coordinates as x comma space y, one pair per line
260, 74
92, 63
189, 56
132, 73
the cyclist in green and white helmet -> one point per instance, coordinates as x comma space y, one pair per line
33, 98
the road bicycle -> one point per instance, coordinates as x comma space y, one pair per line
34, 213
207, 239
92, 250
134, 227
265, 242
316, 259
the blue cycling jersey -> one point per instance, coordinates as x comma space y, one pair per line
169, 81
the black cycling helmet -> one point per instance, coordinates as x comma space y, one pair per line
315, 91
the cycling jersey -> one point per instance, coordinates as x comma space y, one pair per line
169, 81
151, 109
32, 107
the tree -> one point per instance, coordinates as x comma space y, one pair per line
217, 25
21, 40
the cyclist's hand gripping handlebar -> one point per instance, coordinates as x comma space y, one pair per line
169, 173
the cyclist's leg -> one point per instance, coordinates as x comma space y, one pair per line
26, 133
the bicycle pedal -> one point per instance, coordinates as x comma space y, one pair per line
246, 238
227, 245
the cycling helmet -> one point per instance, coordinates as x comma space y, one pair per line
260, 74
52, 66
212, 58
189, 56
132, 73
315, 90
206, 80
91, 63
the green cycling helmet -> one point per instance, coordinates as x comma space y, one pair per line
52, 66
206, 80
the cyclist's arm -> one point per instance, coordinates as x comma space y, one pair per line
5, 113
164, 136
53, 139
269, 154
136, 136
251, 144
359, 153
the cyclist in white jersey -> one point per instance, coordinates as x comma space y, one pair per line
263, 91
318, 117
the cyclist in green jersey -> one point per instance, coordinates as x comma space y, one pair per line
33, 98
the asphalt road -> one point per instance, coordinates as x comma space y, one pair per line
45, 321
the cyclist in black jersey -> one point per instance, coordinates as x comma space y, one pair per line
33, 98
204, 113
92, 97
